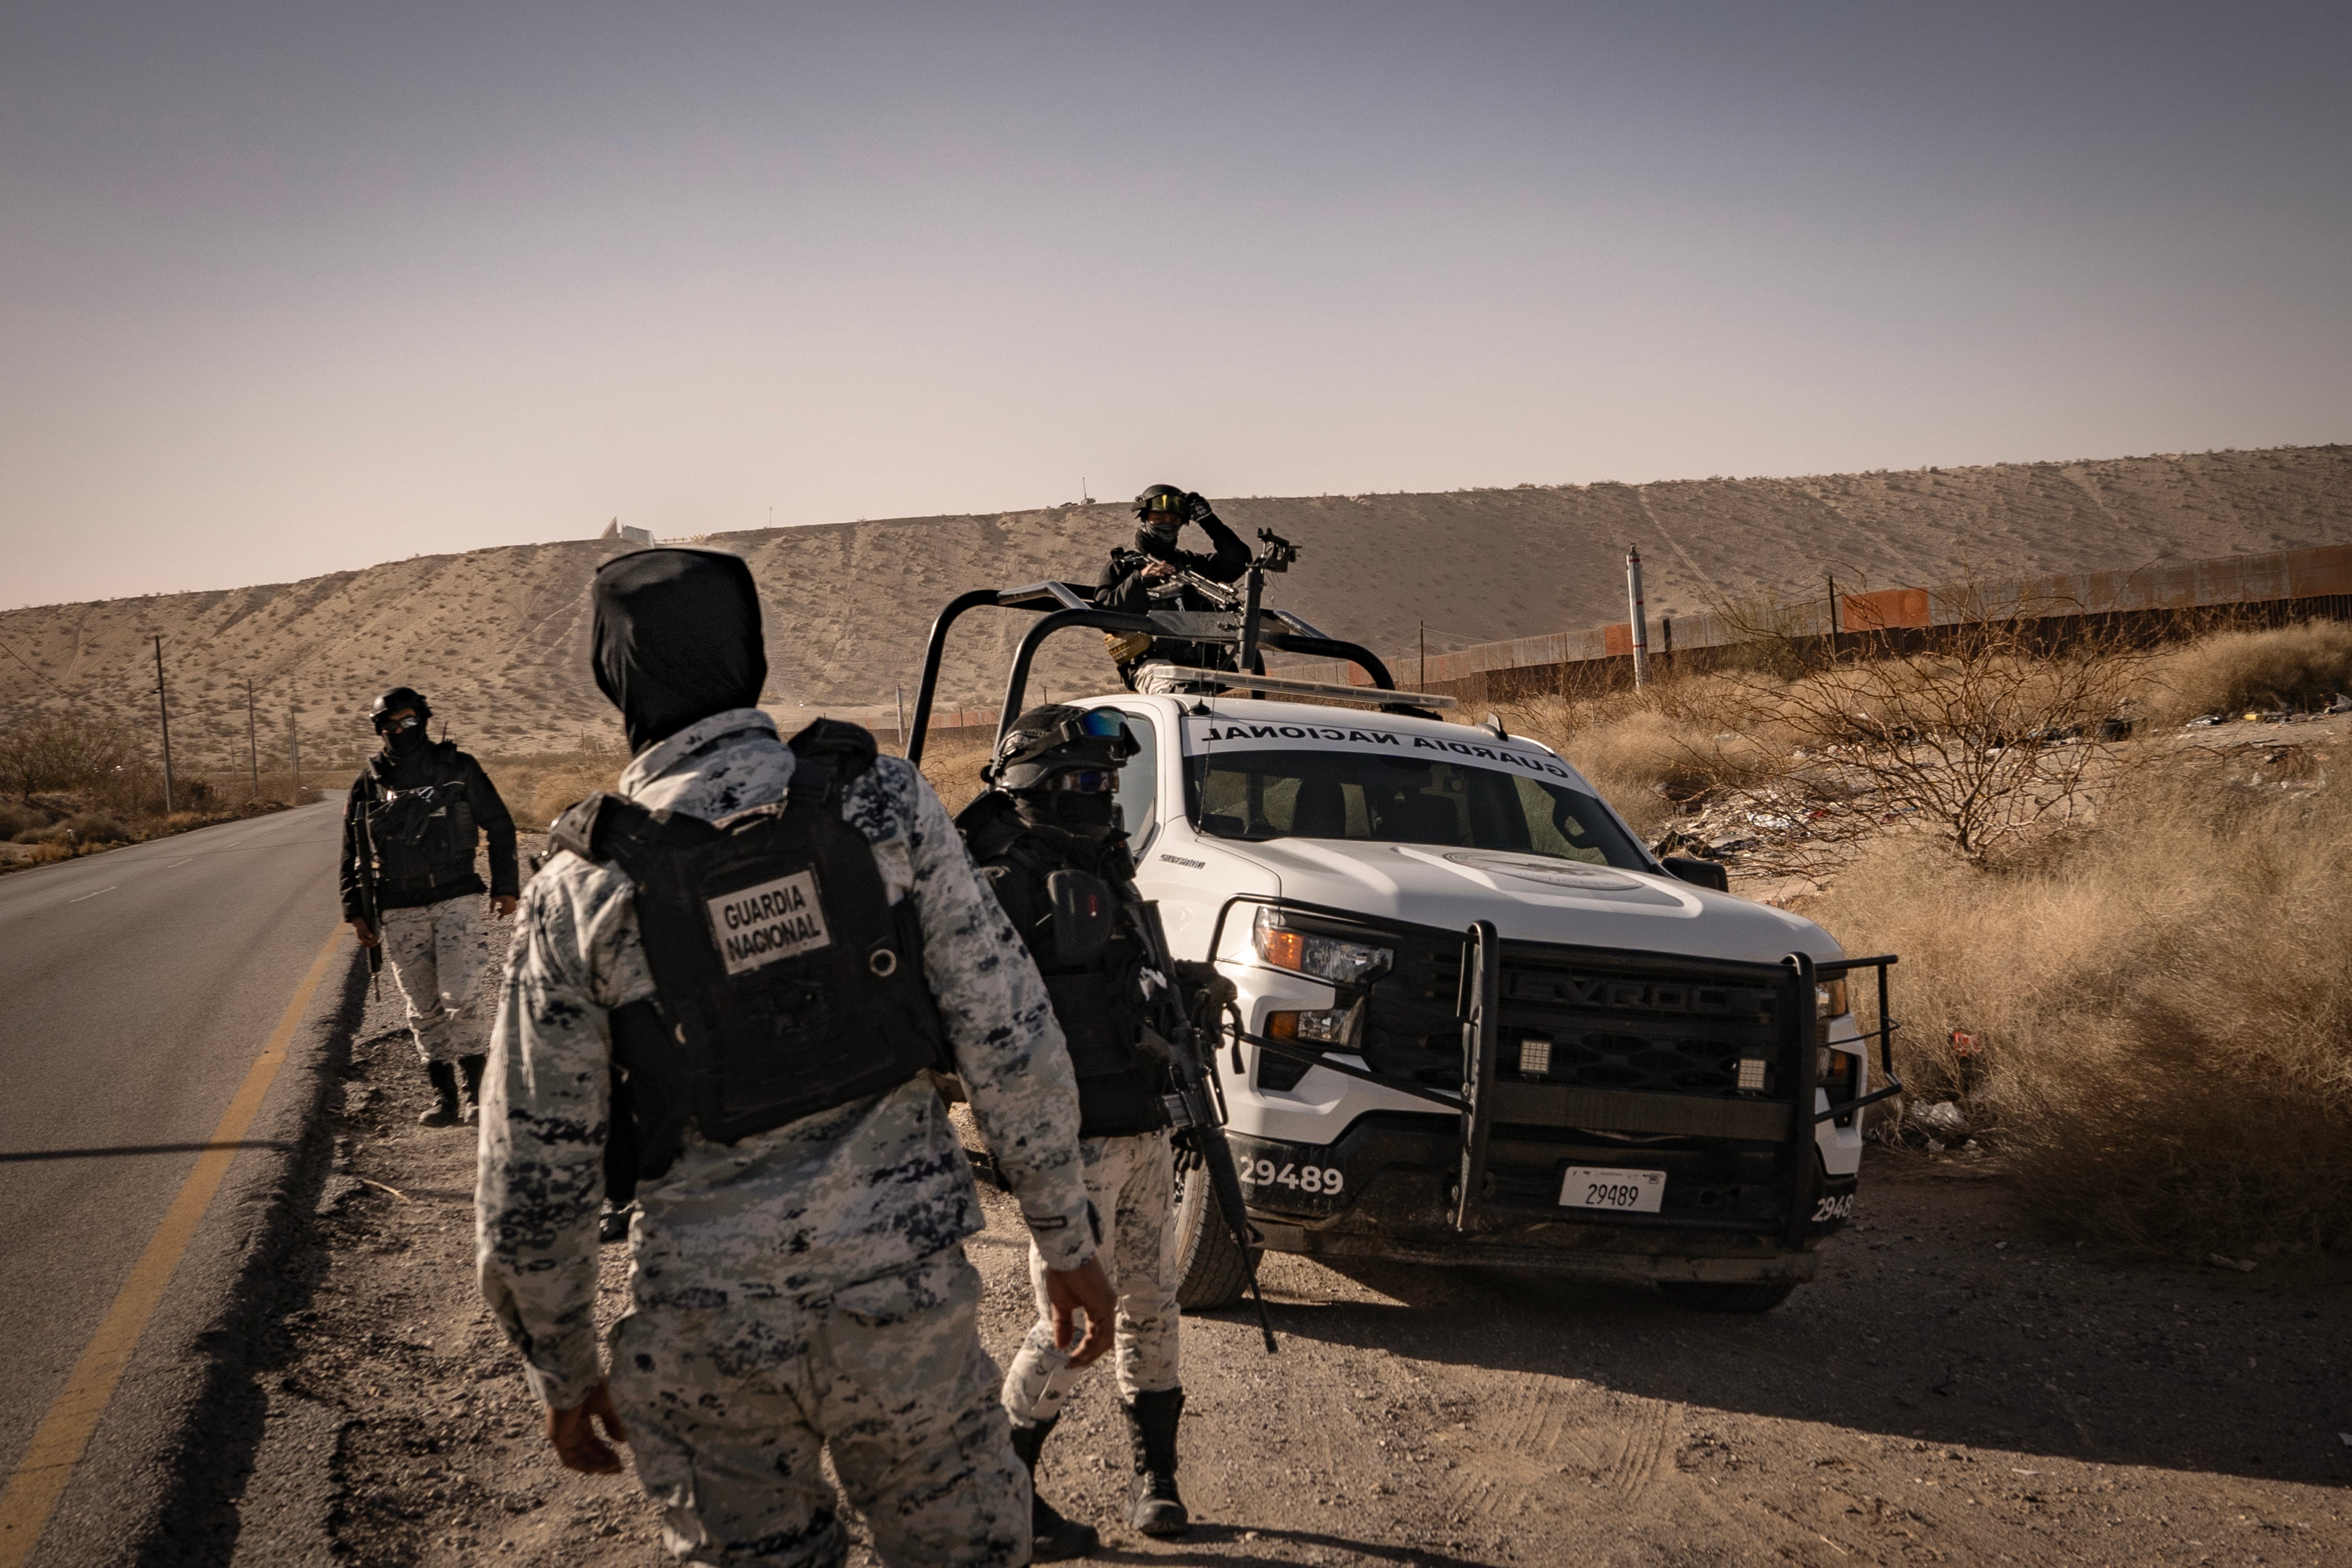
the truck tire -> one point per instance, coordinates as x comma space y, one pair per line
1210, 1271
1698, 1296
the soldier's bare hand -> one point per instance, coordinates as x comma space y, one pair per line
1085, 1288
364, 932
503, 902
1159, 569
575, 1440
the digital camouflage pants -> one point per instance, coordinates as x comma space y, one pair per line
1133, 1183
436, 954
730, 1409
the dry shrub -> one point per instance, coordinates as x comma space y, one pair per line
16, 820
1986, 734
2229, 672
540, 786
952, 762
1646, 750
60, 748
2161, 1008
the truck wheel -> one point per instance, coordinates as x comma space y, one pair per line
1704, 1297
1210, 1273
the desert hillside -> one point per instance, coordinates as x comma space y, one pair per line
497, 636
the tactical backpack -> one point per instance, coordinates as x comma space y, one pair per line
785, 982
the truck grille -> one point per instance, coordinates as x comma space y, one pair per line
1606, 1027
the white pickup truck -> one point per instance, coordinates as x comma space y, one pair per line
1476, 1021
1637, 1079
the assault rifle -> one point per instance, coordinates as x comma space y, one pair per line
1201, 1111
370, 910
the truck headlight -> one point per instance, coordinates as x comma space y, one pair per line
1325, 1026
1839, 1073
1325, 958
1828, 997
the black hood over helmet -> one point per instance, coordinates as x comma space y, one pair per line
677, 639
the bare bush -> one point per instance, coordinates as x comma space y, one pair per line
61, 750
2157, 1013
1983, 733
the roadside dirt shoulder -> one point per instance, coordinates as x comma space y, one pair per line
1955, 1388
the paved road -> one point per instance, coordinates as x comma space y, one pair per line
139, 985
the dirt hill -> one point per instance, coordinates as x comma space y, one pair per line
497, 636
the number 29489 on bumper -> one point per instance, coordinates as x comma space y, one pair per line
1612, 1187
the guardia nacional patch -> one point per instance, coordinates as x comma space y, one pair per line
758, 925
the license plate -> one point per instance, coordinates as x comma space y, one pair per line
1609, 1187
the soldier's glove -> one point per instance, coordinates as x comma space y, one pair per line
1204, 986
1197, 508
1125, 646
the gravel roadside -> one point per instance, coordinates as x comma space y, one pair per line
1956, 1387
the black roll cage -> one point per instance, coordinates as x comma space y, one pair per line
1250, 629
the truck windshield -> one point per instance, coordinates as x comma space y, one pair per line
1260, 794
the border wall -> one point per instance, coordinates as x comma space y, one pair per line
2157, 601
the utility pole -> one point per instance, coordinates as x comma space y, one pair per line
164, 707
252, 741
1641, 622
1424, 655
294, 745
1832, 581
899, 696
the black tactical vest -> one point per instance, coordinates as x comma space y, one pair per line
1099, 1004
785, 982
425, 837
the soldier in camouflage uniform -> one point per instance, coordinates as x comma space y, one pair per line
1047, 837
804, 1288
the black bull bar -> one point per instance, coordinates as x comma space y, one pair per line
1487, 1099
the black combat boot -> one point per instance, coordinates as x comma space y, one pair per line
472, 1068
1055, 1539
1152, 1505
442, 1111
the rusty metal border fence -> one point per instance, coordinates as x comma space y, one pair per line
2156, 602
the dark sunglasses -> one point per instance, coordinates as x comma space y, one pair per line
1088, 781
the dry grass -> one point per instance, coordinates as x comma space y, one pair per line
1645, 751
537, 786
2292, 667
2161, 1008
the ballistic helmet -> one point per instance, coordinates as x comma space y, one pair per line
1162, 500
1058, 747
394, 701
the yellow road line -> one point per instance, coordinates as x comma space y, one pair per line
49, 1464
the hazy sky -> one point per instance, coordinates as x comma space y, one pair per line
290, 288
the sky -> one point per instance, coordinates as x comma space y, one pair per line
300, 288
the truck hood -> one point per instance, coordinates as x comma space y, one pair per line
1534, 898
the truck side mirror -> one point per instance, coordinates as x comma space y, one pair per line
1085, 913
1698, 873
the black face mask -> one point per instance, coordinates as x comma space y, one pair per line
1157, 540
677, 639
1082, 814
405, 740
